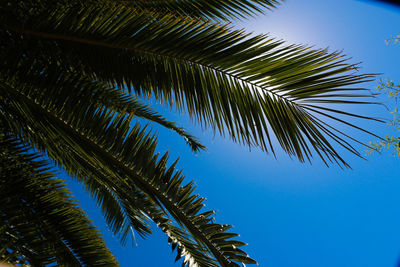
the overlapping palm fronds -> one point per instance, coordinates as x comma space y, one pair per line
71, 78
40, 224
99, 147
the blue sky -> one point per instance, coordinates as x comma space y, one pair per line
294, 214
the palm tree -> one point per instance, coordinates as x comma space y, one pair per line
72, 80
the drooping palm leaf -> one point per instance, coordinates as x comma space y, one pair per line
39, 222
249, 87
62, 66
66, 83
107, 143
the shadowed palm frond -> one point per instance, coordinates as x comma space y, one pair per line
105, 141
53, 78
40, 224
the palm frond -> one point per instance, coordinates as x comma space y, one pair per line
106, 141
40, 224
249, 87
203, 9
66, 77
67, 94
55, 78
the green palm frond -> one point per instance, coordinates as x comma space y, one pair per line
204, 9
40, 224
250, 87
71, 75
106, 142
112, 206
55, 78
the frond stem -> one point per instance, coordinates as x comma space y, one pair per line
115, 46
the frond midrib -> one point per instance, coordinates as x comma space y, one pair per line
253, 85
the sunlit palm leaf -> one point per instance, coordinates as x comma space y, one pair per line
249, 87
64, 76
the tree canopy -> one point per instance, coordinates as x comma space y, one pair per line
73, 76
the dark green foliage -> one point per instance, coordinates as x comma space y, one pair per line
40, 224
71, 75
249, 87
205, 9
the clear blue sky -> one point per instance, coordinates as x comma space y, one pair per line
294, 214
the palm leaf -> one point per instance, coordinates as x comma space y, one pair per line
205, 9
65, 70
249, 87
106, 142
40, 223
66, 83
